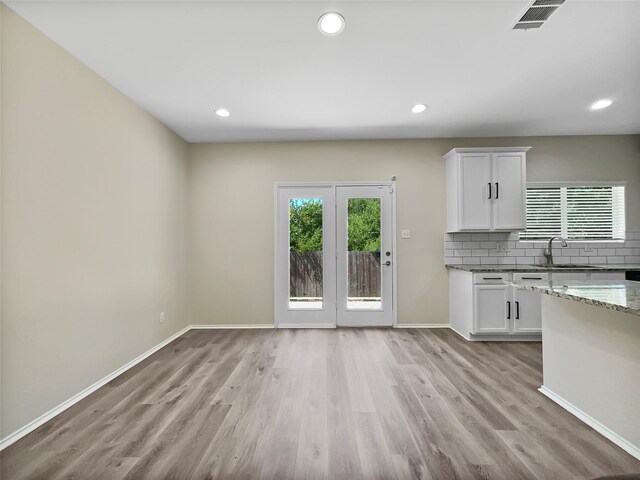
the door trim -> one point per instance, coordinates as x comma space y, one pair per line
394, 290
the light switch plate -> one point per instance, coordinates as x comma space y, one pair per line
405, 233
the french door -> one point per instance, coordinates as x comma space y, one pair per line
334, 255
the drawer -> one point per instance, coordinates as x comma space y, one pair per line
607, 276
569, 276
489, 277
530, 276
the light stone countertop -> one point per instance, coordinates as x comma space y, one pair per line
621, 295
544, 268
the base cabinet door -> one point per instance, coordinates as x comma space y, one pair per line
492, 309
527, 305
527, 315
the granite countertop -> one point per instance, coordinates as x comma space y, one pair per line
544, 268
621, 295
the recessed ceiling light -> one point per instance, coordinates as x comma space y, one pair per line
600, 104
222, 112
419, 108
331, 23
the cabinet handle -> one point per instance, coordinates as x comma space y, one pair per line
489, 189
497, 191
492, 278
508, 310
517, 310
531, 278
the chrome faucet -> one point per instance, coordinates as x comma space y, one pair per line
548, 253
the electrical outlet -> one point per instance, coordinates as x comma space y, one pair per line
405, 233
161, 317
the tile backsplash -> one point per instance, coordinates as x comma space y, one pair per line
505, 249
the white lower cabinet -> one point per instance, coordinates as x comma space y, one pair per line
483, 307
507, 310
492, 303
527, 315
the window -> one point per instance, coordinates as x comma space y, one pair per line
586, 211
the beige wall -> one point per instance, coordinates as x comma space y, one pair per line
93, 198
94, 194
231, 210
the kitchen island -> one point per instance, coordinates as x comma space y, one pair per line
591, 353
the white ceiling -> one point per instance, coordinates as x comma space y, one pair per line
282, 80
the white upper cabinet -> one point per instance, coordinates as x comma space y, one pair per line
486, 189
510, 190
475, 180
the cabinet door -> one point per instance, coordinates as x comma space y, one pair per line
474, 204
527, 314
509, 191
491, 309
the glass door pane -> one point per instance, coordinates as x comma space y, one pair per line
305, 253
363, 250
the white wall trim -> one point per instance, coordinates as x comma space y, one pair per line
466, 337
488, 337
627, 446
238, 326
42, 419
422, 325
308, 325
394, 251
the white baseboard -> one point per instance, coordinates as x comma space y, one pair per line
31, 426
483, 337
310, 325
423, 325
624, 444
466, 337
239, 326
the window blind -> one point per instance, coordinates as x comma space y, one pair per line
575, 212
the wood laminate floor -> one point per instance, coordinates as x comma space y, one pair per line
320, 404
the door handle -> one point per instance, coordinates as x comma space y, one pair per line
508, 310
497, 191
489, 189
517, 310
387, 263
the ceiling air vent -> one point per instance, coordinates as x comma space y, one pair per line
537, 14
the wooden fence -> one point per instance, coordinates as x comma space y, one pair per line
305, 278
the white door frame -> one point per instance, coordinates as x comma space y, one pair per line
276, 265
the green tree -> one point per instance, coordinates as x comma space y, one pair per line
305, 225
364, 224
